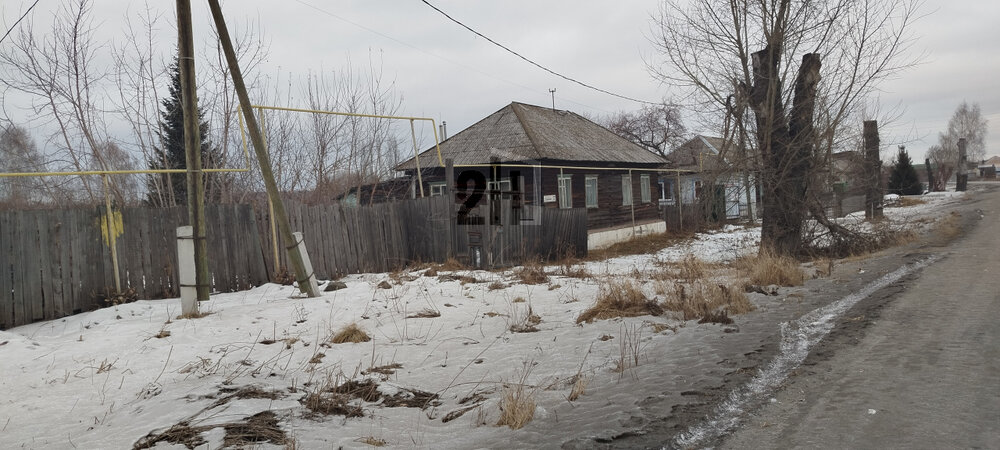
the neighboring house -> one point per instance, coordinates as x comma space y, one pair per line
548, 158
700, 160
988, 168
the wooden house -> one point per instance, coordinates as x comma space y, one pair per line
701, 161
541, 157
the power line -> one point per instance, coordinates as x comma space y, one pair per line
457, 63
18, 21
532, 62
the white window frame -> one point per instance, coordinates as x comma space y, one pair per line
627, 190
587, 187
437, 188
565, 183
644, 189
502, 185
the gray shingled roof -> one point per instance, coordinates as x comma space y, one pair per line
520, 132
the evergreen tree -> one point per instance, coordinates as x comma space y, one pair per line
903, 179
169, 189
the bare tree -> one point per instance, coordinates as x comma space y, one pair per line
18, 153
57, 68
730, 53
657, 128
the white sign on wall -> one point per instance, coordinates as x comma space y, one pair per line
549, 198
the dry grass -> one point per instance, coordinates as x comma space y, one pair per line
910, 201
517, 404
641, 245
350, 333
948, 227
770, 268
620, 298
495, 286
692, 268
531, 273
426, 313
372, 441
197, 315
701, 300
579, 388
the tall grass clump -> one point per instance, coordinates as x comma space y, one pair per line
769, 268
620, 298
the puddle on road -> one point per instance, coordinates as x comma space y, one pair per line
797, 337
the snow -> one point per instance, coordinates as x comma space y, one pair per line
107, 378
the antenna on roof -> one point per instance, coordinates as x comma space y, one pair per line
553, 92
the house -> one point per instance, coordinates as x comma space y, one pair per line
988, 168
701, 160
548, 158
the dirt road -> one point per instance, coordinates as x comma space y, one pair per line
920, 371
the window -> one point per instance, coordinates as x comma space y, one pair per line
437, 188
626, 190
644, 188
565, 191
666, 192
591, 185
500, 186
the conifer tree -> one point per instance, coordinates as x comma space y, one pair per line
903, 179
170, 189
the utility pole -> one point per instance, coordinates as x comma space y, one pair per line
192, 150
291, 244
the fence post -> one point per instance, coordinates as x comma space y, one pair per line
186, 271
306, 263
449, 192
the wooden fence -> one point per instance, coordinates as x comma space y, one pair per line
57, 262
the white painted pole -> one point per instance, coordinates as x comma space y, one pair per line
186, 270
306, 263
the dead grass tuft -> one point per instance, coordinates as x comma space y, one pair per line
531, 273
495, 286
197, 315
692, 268
372, 441
517, 404
700, 300
948, 227
579, 388
350, 333
426, 313
640, 245
910, 201
620, 298
770, 268
388, 369
255, 430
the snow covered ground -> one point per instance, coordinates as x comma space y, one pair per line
442, 350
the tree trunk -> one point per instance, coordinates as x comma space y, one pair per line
873, 171
786, 147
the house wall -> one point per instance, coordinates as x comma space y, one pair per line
610, 211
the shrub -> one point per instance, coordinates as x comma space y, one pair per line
770, 268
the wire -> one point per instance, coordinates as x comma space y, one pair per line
532, 62
456, 63
18, 21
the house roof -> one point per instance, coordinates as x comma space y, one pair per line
994, 161
696, 152
521, 132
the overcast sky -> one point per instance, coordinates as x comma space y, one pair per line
445, 72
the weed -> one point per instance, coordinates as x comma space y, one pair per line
769, 267
426, 313
496, 285
579, 388
372, 441
620, 298
350, 333
531, 273
517, 404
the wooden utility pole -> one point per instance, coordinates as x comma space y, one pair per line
962, 178
931, 186
873, 171
291, 244
192, 149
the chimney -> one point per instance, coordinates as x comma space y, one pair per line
443, 130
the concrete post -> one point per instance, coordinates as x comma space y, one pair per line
306, 264
186, 271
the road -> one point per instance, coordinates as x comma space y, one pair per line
924, 373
